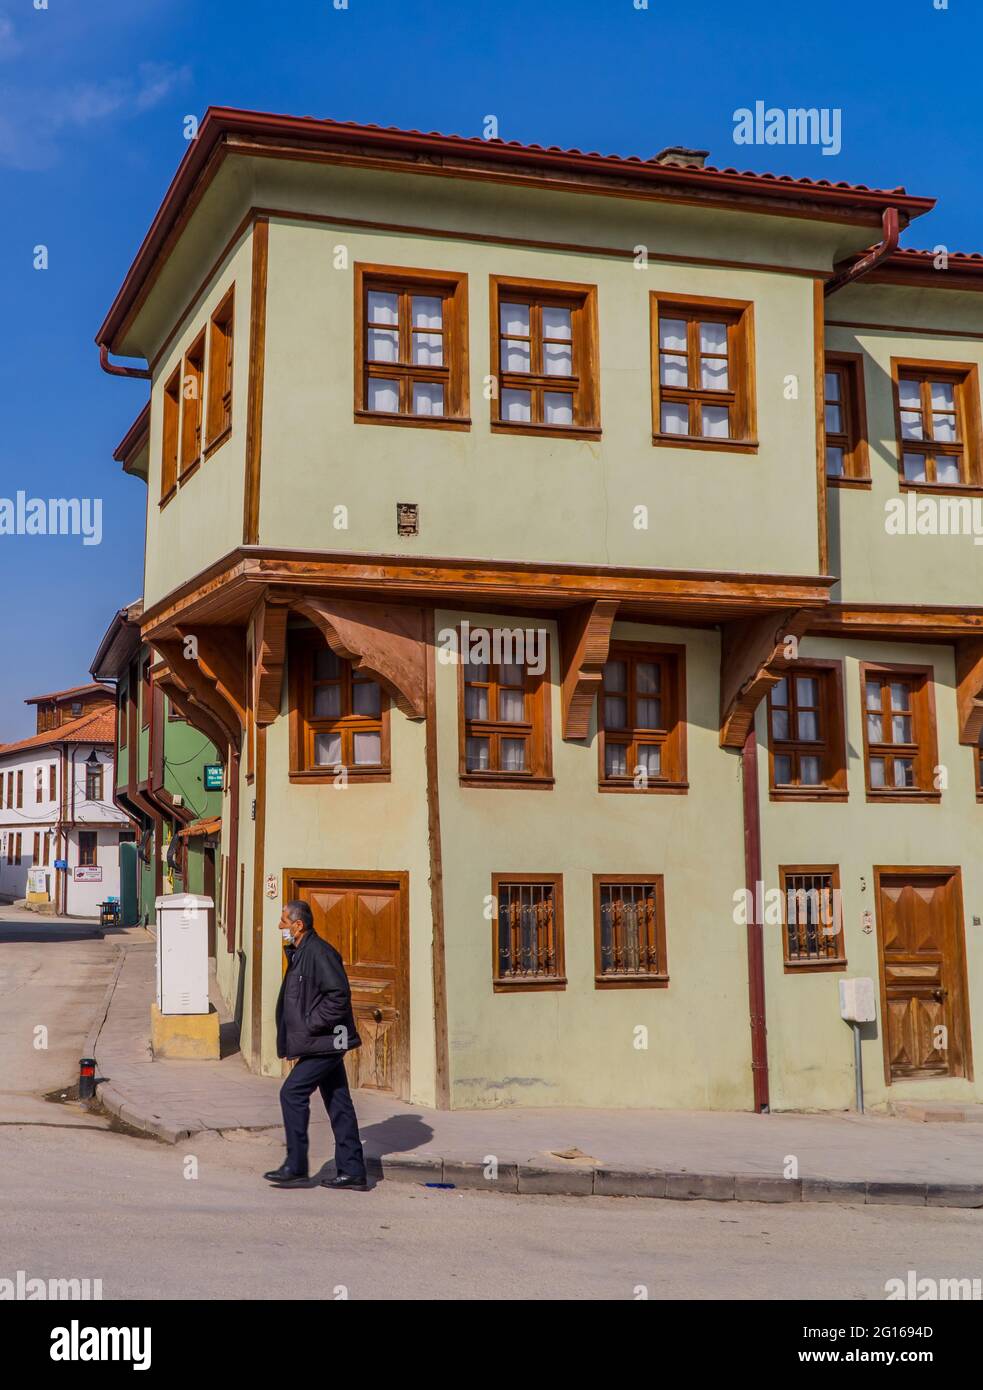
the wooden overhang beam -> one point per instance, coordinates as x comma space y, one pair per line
585, 639
754, 654
969, 689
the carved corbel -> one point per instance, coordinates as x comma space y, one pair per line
269, 655
384, 642
969, 689
585, 639
209, 663
754, 655
196, 715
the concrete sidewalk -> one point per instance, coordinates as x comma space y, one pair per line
645, 1153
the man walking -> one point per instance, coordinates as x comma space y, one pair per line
315, 1025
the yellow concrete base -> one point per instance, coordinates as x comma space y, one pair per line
192, 1037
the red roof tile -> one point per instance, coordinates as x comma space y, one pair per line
73, 690
91, 728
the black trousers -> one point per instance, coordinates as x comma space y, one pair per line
327, 1075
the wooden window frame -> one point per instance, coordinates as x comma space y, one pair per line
964, 376
531, 983
52, 781
36, 854
821, 965
19, 804
302, 647
221, 376
170, 436
673, 745
538, 697
741, 395
192, 409
849, 367
98, 776
831, 749
584, 385
924, 728
453, 374
93, 862
650, 979
39, 784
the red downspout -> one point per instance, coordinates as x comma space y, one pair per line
755, 941
891, 224
113, 368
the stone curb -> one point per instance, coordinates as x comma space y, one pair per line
574, 1181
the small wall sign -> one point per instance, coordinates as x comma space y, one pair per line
214, 779
272, 886
87, 873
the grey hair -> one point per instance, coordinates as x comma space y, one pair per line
301, 912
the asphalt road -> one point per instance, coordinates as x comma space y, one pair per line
198, 1221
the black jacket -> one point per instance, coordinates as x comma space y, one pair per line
314, 1011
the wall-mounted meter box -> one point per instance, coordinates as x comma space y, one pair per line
182, 953
857, 1000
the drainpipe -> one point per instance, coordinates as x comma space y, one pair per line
114, 369
755, 941
891, 225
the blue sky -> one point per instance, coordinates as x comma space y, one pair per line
92, 102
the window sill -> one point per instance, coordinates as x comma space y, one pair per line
631, 981
864, 483
171, 492
426, 422
721, 446
942, 489
217, 442
810, 794
190, 471
581, 432
666, 787
502, 779
324, 776
895, 794
815, 967
532, 985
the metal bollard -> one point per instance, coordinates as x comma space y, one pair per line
87, 1078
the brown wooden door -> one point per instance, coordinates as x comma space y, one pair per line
923, 977
365, 921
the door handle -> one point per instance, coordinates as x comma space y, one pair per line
377, 1015
940, 995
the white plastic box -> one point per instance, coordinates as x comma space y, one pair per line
182, 953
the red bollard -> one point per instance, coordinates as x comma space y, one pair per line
87, 1078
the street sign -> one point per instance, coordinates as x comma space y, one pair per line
214, 778
61, 863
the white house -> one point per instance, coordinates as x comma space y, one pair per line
57, 808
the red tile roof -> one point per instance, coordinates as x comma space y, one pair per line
74, 690
225, 128
91, 728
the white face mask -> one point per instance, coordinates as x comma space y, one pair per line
287, 935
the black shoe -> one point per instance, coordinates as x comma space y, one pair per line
284, 1174
344, 1183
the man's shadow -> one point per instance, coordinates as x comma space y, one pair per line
398, 1134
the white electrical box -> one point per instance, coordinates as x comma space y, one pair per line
857, 1000
182, 953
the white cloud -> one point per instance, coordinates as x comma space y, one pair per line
32, 120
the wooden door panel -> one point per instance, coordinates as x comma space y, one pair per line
923, 975
364, 921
